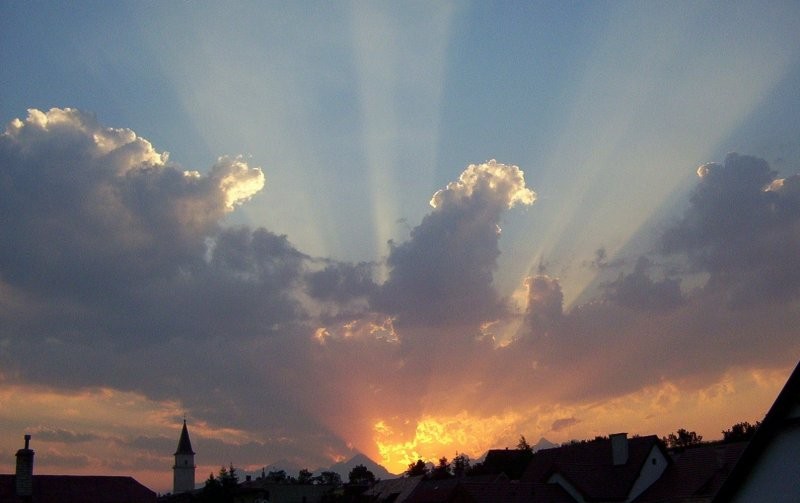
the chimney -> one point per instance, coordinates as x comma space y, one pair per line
619, 448
24, 474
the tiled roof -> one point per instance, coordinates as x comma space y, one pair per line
433, 491
397, 489
588, 466
512, 462
469, 489
513, 492
550, 493
490, 492
79, 489
696, 472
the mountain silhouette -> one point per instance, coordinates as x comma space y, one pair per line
343, 468
543, 443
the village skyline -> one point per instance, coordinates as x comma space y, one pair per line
460, 464
398, 229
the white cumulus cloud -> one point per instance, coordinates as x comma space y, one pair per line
237, 181
502, 184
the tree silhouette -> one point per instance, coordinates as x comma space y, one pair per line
222, 488
360, 475
277, 476
228, 478
523, 444
461, 465
442, 470
304, 477
682, 439
328, 478
212, 489
740, 431
418, 468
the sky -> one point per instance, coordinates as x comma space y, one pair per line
406, 229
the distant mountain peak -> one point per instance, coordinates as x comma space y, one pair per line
343, 468
543, 443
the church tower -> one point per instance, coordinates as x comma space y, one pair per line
183, 471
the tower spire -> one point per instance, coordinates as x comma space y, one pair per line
183, 471
184, 444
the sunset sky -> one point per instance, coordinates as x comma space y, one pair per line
407, 229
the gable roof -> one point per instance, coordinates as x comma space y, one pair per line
184, 444
696, 472
782, 414
79, 489
482, 489
550, 493
397, 489
589, 467
433, 491
512, 462
509, 491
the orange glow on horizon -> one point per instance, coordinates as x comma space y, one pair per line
741, 395
112, 419
434, 437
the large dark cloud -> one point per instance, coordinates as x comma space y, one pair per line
89, 210
545, 304
116, 270
444, 272
640, 291
114, 247
342, 282
743, 229
739, 238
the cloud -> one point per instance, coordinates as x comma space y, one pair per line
148, 286
741, 229
560, 424
545, 303
342, 281
492, 183
118, 274
444, 271
90, 209
127, 276
154, 444
736, 243
637, 290
236, 180
63, 436
63, 461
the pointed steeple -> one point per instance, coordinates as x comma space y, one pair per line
184, 444
184, 468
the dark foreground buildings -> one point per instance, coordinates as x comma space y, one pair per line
25, 487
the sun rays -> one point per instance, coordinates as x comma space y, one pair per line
400, 66
282, 278
642, 115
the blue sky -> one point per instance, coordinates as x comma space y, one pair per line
358, 112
